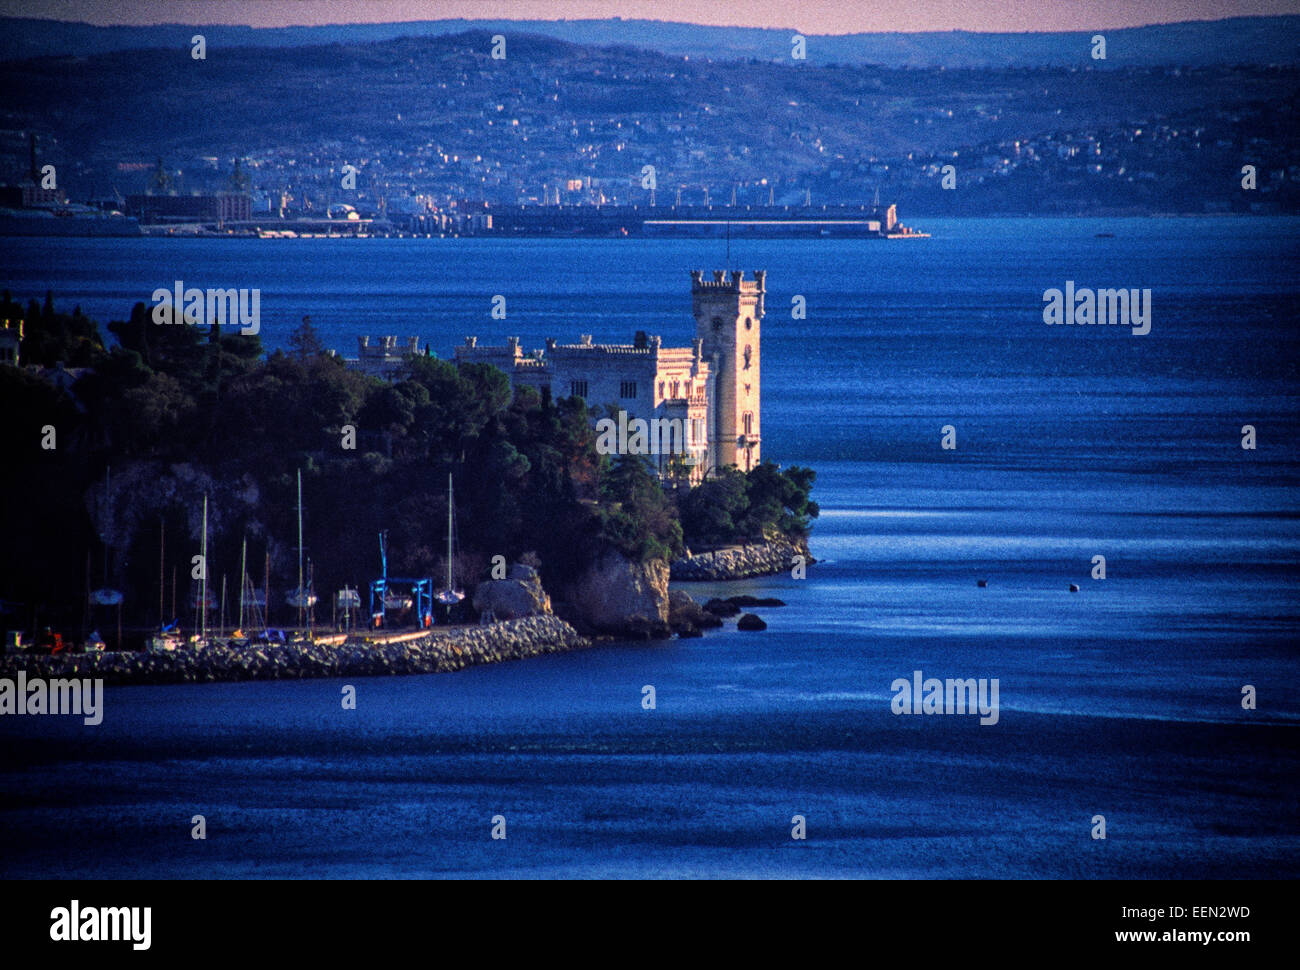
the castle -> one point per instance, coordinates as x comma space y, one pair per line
385, 359
708, 393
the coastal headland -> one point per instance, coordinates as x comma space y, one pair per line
461, 468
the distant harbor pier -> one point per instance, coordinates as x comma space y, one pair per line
695, 221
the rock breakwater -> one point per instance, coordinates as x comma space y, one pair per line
438, 651
741, 562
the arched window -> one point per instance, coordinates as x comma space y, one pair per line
748, 422
748, 355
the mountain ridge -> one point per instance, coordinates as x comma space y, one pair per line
1232, 40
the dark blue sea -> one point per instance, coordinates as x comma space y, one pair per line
1122, 700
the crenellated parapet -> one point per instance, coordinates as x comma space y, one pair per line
384, 357
730, 282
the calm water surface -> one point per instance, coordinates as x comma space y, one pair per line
1121, 700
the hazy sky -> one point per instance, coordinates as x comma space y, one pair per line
808, 16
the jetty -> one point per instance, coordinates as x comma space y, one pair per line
437, 650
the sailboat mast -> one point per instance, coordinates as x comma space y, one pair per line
451, 501
300, 600
203, 585
162, 572
85, 613
243, 579
266, 588
311, 584
108, 477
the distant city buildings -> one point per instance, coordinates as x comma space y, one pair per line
542, 130
29, 195
218, 208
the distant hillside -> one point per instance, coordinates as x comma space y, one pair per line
437, 117
1241, 40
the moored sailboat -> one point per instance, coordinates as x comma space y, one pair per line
303, 597
168, 637
450, 595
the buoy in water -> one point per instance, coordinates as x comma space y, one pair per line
1074, 588
982, 583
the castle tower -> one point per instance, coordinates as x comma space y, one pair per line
728, 312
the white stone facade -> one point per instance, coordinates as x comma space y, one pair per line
728, 312
706, 395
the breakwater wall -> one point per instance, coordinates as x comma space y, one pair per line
741, 562
438, 651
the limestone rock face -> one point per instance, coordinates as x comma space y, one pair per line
622, 598
520, 594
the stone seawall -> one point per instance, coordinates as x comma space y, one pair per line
440, 651
741, 562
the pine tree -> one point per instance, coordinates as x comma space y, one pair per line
305, 341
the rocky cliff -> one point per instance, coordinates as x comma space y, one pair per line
617, 597
520, 594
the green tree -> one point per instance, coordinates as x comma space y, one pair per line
779, 501
50, 337
637, 517
712, 511
305, 342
